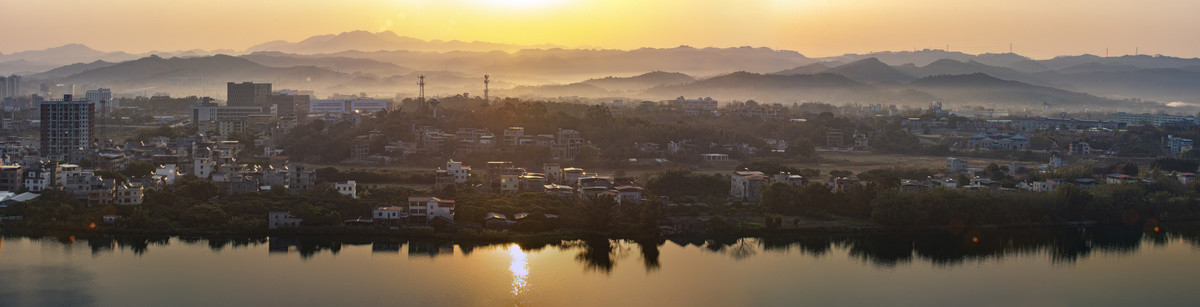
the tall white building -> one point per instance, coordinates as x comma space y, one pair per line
10, 86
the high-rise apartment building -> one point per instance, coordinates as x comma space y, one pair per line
67, 125
248, 94
10, 87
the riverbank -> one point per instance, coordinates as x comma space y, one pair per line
538, 238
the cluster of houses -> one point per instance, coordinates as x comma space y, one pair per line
563, 144
503, 177
957, 166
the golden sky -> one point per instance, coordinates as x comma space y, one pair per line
1038, 28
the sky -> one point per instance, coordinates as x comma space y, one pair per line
1036, 28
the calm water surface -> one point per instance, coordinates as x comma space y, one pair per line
1121, 266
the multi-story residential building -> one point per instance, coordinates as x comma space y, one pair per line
460, 173
128, 194
67, 126
1175, 146
553, 171
566, 144
168, 173
510, 183
1157, 120
300, 178
41, 177
11, 178
513, 135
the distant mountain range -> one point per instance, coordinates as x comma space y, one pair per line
384, 40
385, 62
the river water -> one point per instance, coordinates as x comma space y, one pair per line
1113, 266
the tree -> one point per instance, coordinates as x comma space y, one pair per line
839, 173
598, 211
587, 153
138, 169
801, 148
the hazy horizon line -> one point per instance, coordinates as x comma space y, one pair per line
245, 50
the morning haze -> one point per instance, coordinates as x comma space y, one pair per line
599, 153
1038, 29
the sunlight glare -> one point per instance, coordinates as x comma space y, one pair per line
519, 268
522, 4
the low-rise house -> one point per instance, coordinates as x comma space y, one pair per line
595, 181
841, 184
282, 219
559, 190
984, 183
532, 182
571, 175
629, 194
389, 214
348, 188
1185, 178
1086, 183
1119, 178
10, 198
427, 208
788, 178
747, 185
495, 220
909, 185
942, 180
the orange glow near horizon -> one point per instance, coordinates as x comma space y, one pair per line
812, 27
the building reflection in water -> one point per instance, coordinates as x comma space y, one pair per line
1063, 246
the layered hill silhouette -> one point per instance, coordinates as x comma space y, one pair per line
640, 82
388, 63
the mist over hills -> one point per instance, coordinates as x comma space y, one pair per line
641, 82
383, 40
388, 64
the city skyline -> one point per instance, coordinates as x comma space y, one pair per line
813, 28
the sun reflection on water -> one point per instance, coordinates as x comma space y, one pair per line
519, 269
